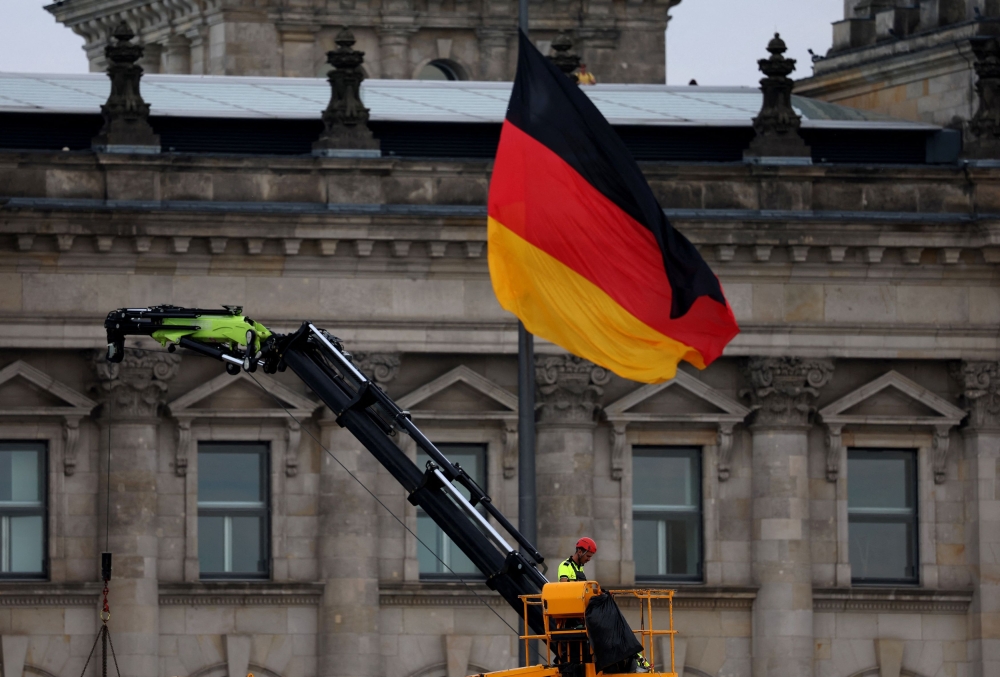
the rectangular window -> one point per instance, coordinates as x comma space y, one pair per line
22, 509
233, 510
882, 515
446, 559
666, 513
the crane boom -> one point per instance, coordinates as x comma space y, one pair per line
320, 361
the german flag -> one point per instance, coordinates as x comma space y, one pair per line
579, 248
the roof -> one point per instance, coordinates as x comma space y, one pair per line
214, 96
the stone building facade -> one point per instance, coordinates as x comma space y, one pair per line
869, 307
457, 39
910, 60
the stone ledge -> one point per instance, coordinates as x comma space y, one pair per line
434, 593
722, 598
38, 593
249, 593
892, 600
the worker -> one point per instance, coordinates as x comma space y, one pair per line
585, 77
572, 568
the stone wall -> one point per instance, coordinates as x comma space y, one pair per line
869, 305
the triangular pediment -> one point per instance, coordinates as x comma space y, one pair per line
684, 398
460, 392
28, 390
241, 396
892, 398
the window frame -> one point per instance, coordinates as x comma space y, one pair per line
914, 516
43, 471
484, 449
266, 512
697, 479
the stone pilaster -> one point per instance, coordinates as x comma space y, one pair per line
348, 549
782, 391
394, 51
177, 58
131, 394
568, 395
494, 51
981, 397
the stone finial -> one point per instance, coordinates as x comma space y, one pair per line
569, 388
980, 393
126, 116
777, 124
564, 60
345, 119
783, 389
983, 137
135, 387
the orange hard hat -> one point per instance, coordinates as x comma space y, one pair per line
587, 544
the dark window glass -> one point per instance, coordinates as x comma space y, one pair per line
666, 513
882, 515
22, 510
472, 457
233, 510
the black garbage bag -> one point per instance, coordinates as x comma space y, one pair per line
611, 638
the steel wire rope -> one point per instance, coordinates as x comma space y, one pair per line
369, 491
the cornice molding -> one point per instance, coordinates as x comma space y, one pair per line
892, 600
240, 594
38, 593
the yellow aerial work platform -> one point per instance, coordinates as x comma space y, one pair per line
566, 642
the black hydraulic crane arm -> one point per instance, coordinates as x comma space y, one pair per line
319, 359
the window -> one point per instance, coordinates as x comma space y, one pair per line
666, 513
22, 509
439, 69
882, 515
472, 457
233, 510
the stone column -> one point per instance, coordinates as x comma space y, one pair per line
177, 58
494, 52
782, 390
131, 394
568, 395
348, 547
981, 396
394, 51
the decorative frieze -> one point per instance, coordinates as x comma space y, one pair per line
783, 389
568, 388
134, 388
892, 600
240, 594
980, 392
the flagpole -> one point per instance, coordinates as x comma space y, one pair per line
526, 519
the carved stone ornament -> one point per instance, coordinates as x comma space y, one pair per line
134, 388
724, 440
345, 119
619, 443
783, 389
71, 439
834, 451
510, 448
939, 452
184, 447
379, 367
126, 116
569, 388
293, 436
984, 127
980, 393
777, 124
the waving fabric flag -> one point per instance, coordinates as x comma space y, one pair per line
579, 248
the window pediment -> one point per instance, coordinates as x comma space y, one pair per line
460, 394
51, 397
228, 396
